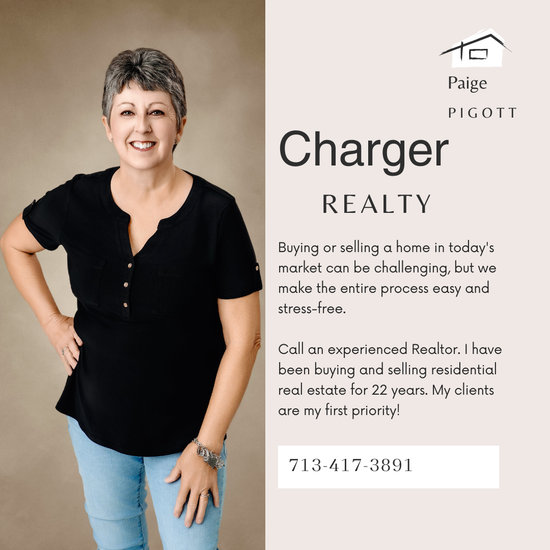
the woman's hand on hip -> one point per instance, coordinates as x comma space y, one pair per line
197, 481
63, 337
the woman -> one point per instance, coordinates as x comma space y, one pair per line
166, 332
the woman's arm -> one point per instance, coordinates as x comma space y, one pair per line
240, 319
19, 248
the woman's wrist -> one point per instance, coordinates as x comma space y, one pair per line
213, 459
47, 318
211, 439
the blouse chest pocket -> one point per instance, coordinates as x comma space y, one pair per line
85, 275
179, 288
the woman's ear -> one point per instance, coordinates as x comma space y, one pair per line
107, 129
179, 133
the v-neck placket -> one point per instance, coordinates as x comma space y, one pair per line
129, 260
130, 264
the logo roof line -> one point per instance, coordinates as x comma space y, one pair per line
462, 44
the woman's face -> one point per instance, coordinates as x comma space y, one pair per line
143, 127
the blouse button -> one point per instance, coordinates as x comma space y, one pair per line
125, 285
257, 268
129, 265
125, 304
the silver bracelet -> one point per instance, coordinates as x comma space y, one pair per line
213, 460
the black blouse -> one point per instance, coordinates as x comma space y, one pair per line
152, 334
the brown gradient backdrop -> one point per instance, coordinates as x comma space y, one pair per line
55, 54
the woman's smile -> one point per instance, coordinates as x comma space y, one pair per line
143, 145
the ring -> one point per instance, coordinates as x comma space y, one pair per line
205, 496
63, 350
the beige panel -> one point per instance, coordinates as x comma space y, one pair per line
356, 70
55, 54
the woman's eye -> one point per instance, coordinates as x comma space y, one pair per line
157, 112
126, 113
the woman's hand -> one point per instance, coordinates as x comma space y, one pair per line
197, 480
63, 337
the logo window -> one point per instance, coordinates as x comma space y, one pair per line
478, 54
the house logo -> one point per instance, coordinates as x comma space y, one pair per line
483, 49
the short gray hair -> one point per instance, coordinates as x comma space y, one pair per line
151, 70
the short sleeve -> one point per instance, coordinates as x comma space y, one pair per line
237, 272
44, 218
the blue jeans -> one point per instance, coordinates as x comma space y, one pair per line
114, 488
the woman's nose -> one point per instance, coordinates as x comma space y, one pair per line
142, 124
